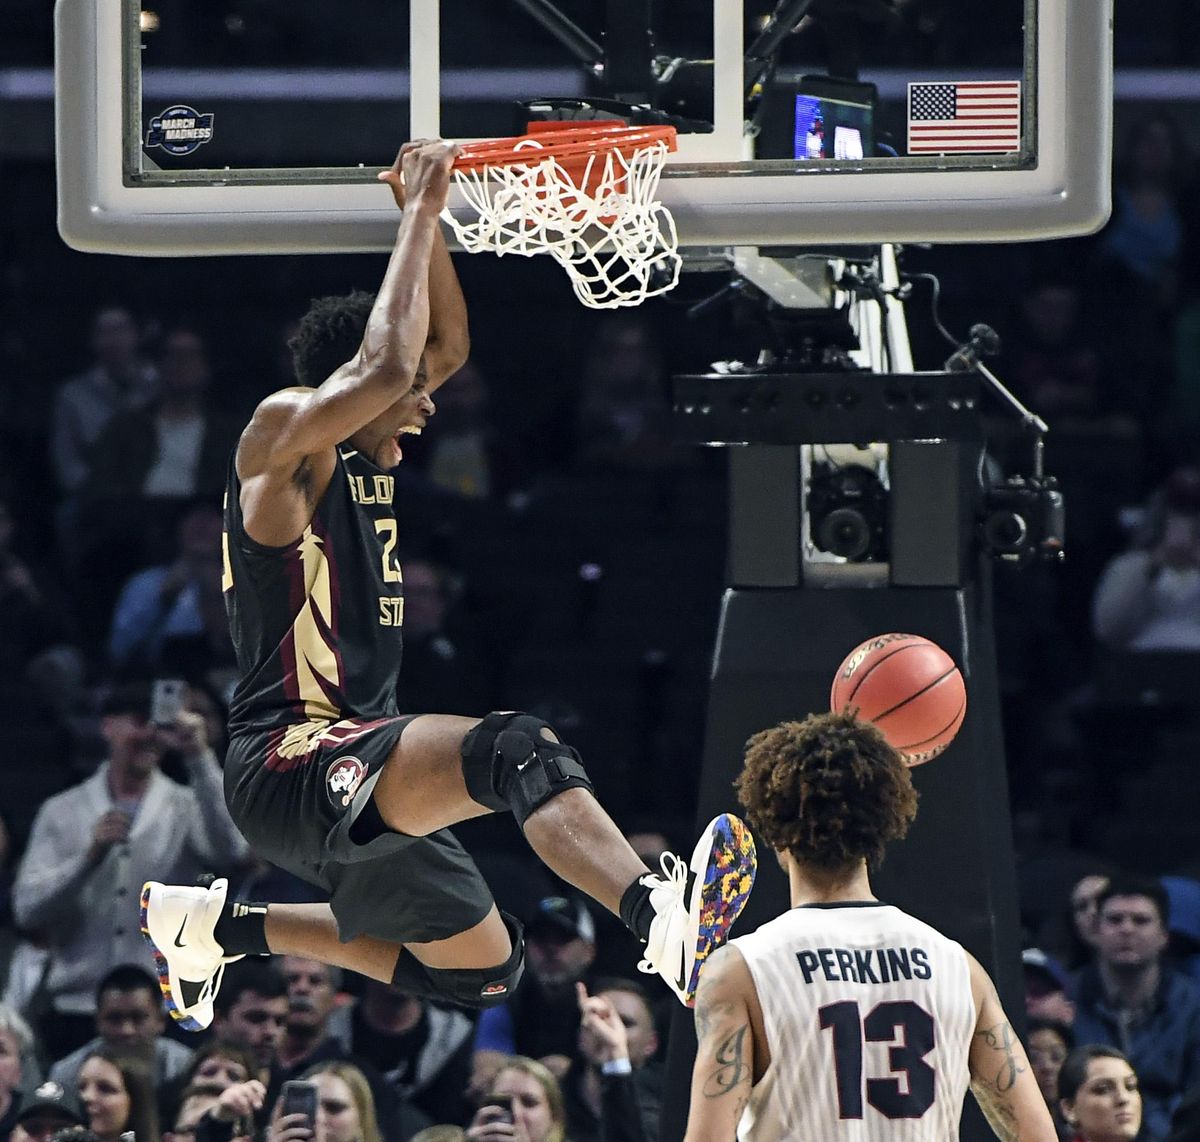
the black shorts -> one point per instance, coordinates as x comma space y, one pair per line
295, 792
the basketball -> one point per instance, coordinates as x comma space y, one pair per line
908, 687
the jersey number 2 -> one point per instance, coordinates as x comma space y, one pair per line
391, 569
914, 1027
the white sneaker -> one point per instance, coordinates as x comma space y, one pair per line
179, 923
690, 923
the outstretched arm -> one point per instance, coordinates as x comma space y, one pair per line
449, 341
724, 1070
295, 423
1001, 1077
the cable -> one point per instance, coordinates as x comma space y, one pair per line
935, 299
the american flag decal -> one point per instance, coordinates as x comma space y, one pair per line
964, 118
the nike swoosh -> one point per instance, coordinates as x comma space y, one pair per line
682, 981
178, 942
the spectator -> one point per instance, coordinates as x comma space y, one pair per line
150, 462
93, 846
221, 1064
45, 1109
1085, 918
604, 1096
117, 1091
176, 447
180, 601
1098, 1091
537, 1105
250, 1010
1144, 236
541, 1020
129, 1019
1130, 999
423, 1051
1046, 987
309, 1037
118, 379
345, 1107
1148, 599
1048, 1044
215, 1064
16, 1043
312, 989
194, 1103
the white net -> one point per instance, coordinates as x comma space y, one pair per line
604, 226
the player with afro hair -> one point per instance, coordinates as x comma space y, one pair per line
784, 1014
830, 790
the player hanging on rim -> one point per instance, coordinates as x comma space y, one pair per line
323, 776
845, 1019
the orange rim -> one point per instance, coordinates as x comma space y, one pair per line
572, 144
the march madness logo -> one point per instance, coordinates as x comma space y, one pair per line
344, 777
180, 130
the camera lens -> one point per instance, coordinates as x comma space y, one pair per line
1006, 531
844, 532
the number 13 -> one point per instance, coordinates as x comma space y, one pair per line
850, 1030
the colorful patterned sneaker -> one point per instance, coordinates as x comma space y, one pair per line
179, 923
695, 904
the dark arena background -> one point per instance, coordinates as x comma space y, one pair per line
581, 541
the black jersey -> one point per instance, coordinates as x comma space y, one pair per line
316, 623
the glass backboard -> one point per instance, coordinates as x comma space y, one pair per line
188, 126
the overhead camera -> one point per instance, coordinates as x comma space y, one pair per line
847, 511
1023, 521
1023, 518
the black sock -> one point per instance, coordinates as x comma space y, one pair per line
636, 912
242, 929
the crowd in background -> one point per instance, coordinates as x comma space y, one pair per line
563, 555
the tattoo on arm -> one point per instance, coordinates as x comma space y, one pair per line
1002, 1040
731, 1064
991, 1088
725, 1059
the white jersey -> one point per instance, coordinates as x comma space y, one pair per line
869, 1017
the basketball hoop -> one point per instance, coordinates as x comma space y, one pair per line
585, 194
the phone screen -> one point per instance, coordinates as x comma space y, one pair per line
504, 1102
299, 1098
166, 700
